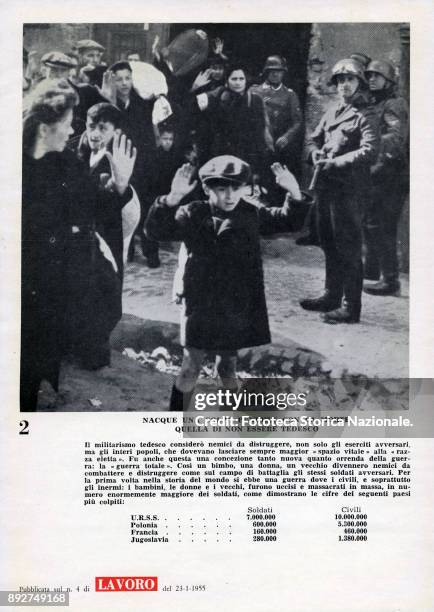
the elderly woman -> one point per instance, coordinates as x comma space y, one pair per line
58, 240
236, 120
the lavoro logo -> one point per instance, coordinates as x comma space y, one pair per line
126, 583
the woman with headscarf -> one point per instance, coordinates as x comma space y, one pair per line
236, 120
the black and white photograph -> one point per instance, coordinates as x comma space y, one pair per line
216, 307
211, 202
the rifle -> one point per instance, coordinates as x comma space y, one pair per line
328, 151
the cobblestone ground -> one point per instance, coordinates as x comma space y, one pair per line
377, 346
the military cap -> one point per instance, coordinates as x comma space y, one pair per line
226, 168
57, 59
384, 68
87, 43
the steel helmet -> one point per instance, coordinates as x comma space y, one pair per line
348, 66
384, 68
227, 168
362, 58
275, 62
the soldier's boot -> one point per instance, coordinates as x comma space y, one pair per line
179, 400
346, 314
384, 287
324, 303
389, 283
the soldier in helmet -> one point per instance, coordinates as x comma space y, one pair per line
311, 238
389, 178
283, 111
222, 291
362, 58
343, 147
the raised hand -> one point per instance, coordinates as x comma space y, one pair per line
202, 79
154, 49
218, 44
122, 160
182, 184
286, 180
108, 89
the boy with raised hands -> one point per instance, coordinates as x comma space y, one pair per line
222, 298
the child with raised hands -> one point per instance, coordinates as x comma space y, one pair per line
222, 297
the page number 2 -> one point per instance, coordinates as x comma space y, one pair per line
24, 428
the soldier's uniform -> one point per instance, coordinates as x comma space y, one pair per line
284, 115
347, 135
283, 111
390, 185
